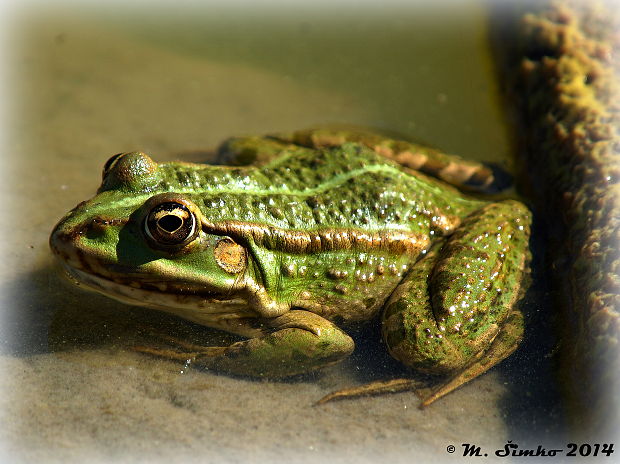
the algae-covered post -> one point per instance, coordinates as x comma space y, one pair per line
558, 70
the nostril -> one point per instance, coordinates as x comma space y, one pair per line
94, 229
97, 227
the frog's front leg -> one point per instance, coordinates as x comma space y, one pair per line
294, 343
455, 311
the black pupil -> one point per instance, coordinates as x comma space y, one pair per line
170, 223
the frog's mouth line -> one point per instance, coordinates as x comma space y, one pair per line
202, 307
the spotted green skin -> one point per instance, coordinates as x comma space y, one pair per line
446, 304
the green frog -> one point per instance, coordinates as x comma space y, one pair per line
289, 238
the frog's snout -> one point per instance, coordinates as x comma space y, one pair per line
62, 242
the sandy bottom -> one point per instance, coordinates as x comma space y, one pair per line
73, 390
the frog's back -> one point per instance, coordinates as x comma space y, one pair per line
348, 187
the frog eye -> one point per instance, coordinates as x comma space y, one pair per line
130, 171
170, 224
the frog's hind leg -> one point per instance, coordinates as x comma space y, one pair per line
254, 150
504, 344
455, 311
462, 173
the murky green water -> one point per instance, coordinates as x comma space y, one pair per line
88, 84
403, 69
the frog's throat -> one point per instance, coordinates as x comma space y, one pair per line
203, 308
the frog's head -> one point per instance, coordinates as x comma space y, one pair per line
141, 241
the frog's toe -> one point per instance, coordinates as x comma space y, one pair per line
164, 353
370, 389
502, 179
182, 356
